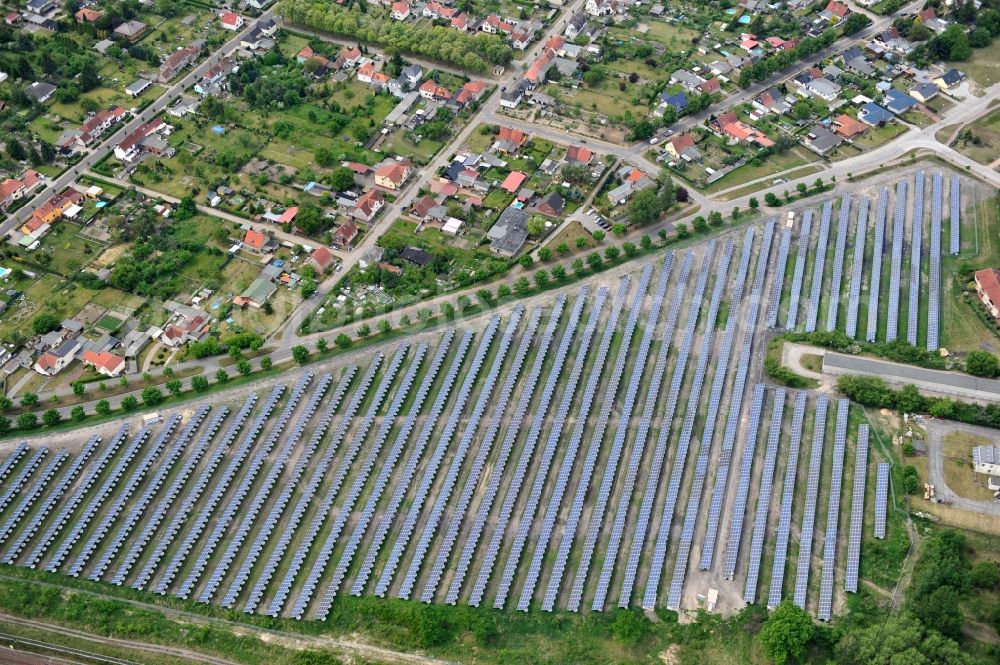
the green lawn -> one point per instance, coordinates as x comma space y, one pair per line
397, 144
795, 158
68, 251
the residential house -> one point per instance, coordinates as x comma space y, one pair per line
551, 206
14, 189
342, 238
577, 154
368, 205
988, 287
689, 80
823, 88
412, 74
95, 126
214, 79
730, 125
924, 92
575, 26
678, 100
835, 11
682, 148
855, 61
51, 210
710, 86
174, 63
259, 243
322, 259
393, 174
105, 362
130, 30
285, 217
771, 101
40, 91
431, 90
632, 180
898, 101
847, 127
401, 11
513, 181
511, 98
183, 107
874, 115
949, 79
88, 15
821, 140
144, 138
50, 363
510, 141
509, 233
41, 7
231, 21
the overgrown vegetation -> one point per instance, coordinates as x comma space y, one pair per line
874, 392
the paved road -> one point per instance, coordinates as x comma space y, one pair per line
936, 431
155, 108
940, 382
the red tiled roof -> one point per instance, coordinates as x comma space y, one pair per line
513, 181
577, 153
254, 239
989, 282
104, 360
323, 257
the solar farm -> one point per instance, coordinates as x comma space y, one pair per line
612, 446
875, 265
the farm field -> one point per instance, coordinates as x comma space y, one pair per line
560, 456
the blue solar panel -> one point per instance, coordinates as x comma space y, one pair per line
499, 465
955, 239
471, 429
444, 441
354, 492
735, 407
660, 451
896, 264
621, 432
857, 266
857, 510
29, 497
812, 495
598, 429
401, 487
763, 502
934, 285
538, 485
562, 479
687, 432
881, 498
779, 278
875, 280
833, 514
916, 239
838, 263
800, 269
812, 313
389, 465
711, 419
787, 496
513, 490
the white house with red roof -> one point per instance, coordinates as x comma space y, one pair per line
101, 122
131, 147
105, 362
400, 11
14, 189
231, 21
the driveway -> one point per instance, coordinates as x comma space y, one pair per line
936, 431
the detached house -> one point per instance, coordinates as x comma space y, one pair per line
50, 363
231, 21
105, 363
401, 11
14, 189
988, 289
392, 175
174, 63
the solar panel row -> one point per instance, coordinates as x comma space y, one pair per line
833, 514
708, 433
857, 510
875, 279
896, 263
800, 269
812, 311
916, 239
812, 495
598, 428
736, 403
785, 516
857, 266
934, 285
569, 458
838, 263
881, 498
660, 451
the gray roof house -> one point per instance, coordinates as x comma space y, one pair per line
509, 233
822, 140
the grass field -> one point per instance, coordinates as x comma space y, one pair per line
984, 143
984, 65
800, 159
